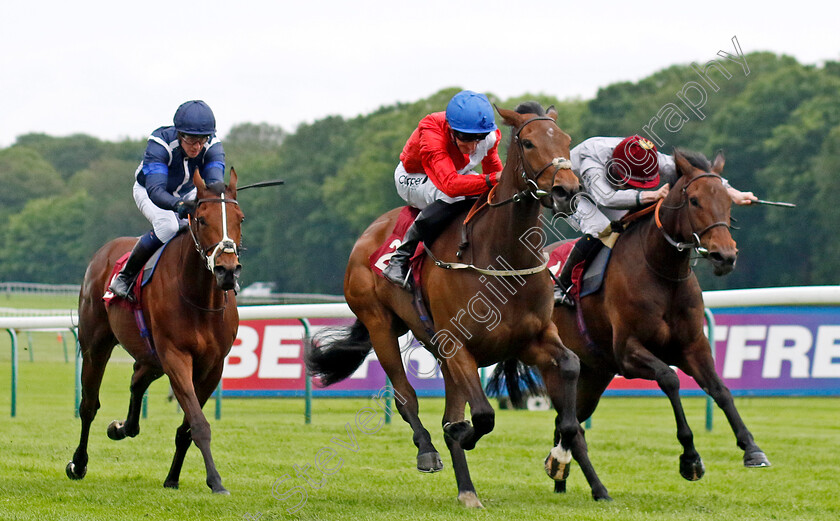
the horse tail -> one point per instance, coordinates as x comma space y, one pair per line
518, 378
334, 354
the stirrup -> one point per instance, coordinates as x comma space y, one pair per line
400, 279
562, 297
116, 289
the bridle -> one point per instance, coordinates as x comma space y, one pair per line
695, 244
532, 188
226, 244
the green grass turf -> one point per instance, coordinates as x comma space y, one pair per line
258, 441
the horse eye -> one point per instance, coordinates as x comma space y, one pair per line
528, 144
694, 201
201, 221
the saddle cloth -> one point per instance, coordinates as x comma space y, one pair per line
585, 279
380, 258
143, 277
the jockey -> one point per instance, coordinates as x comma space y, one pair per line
619, 175
436, 170
164, 190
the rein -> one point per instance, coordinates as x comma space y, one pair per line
695, 244
191, 303
226, 245
484, 271
532, 188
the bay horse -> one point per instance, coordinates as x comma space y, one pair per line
649, 312
498, 308
191, 317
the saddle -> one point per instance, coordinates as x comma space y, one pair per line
586, 279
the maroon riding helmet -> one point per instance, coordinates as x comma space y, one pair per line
635, 163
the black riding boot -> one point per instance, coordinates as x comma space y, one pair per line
584, 250
142, 252
430, 223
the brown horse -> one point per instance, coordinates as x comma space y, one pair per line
192, 320
498, 308
649, 313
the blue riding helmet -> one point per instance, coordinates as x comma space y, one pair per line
471, 113
195, 117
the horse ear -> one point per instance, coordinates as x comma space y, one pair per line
717, 165
510, 117
683, 166
233, 179
551, 112
198, 181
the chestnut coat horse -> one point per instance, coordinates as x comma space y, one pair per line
649, 313
498, 308
192, 321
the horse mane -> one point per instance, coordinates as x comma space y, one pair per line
696, 159
530, 107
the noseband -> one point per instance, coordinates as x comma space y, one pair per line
531, 180
695, 244
226, 245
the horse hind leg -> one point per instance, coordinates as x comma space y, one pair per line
386, 345
143, 376
95, 355
183, 440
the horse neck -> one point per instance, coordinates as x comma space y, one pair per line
660, 256
195, 282
503, 230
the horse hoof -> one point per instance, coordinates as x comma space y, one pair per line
71, 471
692, 469
560, 486
756, 459
222, 491
429, 462
170, 484
558, 463
469, 500
462, 432
115, 430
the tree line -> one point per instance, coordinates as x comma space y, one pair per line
779, 126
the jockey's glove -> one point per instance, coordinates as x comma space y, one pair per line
217, 187
184, 208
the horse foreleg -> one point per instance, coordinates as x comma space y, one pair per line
638, 362
560, 370
179, 367
454, 415
94, 360
143, 376
386, 345
700, 366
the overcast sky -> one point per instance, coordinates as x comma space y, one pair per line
119, 69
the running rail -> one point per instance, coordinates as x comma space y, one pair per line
788, 296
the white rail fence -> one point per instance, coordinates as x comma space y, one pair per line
789, 296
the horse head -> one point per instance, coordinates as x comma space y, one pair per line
217, 230
542, 150
703, 207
